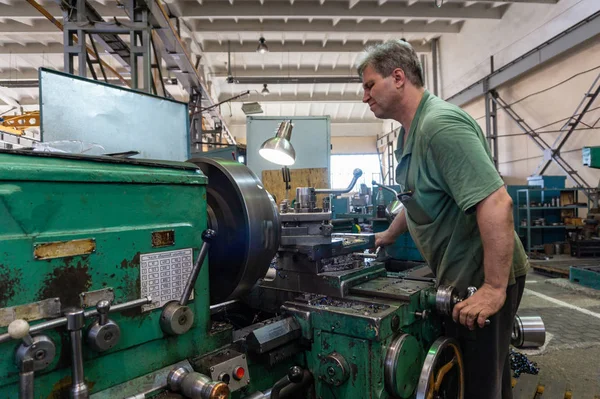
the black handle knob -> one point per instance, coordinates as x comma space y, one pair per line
295, 374
208, 235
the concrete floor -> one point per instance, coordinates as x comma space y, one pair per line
571, 314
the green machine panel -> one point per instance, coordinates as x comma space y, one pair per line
591, 157
75, 225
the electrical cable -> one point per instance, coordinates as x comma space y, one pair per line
539, 156
556, 85
548, 88
548, 131
563, 119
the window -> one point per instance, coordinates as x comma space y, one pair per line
342, 167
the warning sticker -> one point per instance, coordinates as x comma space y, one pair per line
163, 276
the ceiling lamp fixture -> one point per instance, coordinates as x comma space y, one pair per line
262, 47
265, 91
278, 149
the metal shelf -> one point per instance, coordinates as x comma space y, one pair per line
552, 214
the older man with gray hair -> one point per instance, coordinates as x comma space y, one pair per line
459, 213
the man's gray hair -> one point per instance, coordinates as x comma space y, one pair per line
387, 56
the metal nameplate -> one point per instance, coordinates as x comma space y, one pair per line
163, 238
48, 308
62, 249
91, 298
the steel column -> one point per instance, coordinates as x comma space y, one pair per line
434, 62
491, 125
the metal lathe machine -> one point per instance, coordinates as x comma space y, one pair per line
136, 279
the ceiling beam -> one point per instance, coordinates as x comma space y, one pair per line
31, 48
357, 123
22, 9
211, 46
301, 97
298, 80
38, 26
220, 26
239, 72
334, 10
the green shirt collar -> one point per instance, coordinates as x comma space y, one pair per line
413, 127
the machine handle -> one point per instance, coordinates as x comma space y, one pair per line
470, 292
391, 190
357, 173
19, 329
103, 307
294, 376
207, 236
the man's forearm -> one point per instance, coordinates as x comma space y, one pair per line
398, 225
495, 221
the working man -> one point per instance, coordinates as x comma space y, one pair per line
460, 215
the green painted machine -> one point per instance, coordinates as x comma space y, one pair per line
136, 278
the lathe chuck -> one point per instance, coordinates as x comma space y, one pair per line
246, 220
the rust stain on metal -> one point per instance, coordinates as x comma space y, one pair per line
133, 263
354, 368
61, 389
8, 284
63, 249
66, 283
132, 290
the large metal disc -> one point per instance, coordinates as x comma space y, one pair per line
246, 220
443, 373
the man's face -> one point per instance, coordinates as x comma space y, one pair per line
379, 92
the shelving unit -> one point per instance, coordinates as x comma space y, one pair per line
538, 235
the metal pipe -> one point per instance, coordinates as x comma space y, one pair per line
26, 379
357, 173
90, 313
391, 190
434, 62
528, 332
219, 307
75, 323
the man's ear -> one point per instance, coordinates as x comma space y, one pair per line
399, 77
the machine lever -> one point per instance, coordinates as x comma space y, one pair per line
446, 298
61, 321
294, 376
35, 353
104, 333
75, 323
177, 318
207, 236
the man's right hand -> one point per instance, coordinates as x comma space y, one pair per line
384, 239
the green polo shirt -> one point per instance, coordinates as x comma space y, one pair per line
447, 165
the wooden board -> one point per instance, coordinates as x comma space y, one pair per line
526, 388
310, 177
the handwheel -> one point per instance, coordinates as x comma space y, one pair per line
442, 375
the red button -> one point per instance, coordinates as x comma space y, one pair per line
239, 373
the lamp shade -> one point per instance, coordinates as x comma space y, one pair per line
265, 91
279, 149
262, 46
